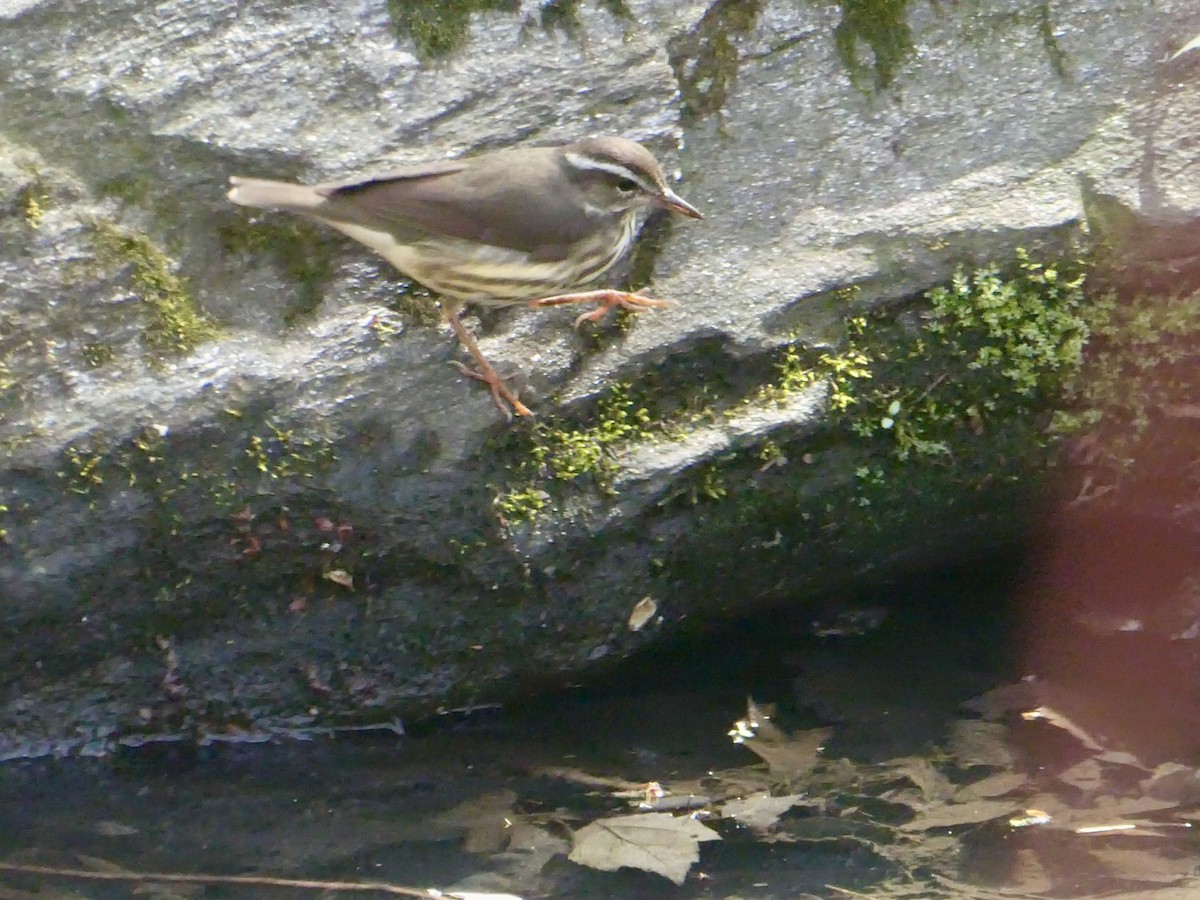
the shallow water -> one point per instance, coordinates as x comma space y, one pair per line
428, 809
945, 745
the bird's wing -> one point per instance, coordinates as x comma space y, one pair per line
486, 200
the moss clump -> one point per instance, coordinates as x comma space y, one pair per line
256, 467
176, 324
97, 354
883, 26
706, 59
131, 190
935, 425
994, 346
564, 14
556, 452
566, 454
1141, 373
439, 28
34, 198
841, 370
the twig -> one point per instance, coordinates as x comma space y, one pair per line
189, 878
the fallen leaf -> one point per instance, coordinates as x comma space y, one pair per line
340, 576
953, 814
1146, 865
787, 755
976, 743
993, 786
1173, 781
759, 810
932, 784
1058, 720
1087, 775
653, 842
643, 611
485, 820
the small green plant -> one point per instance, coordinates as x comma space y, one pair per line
558, 453
521, 504
1140, 369
565, 454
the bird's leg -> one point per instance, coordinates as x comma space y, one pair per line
506, 401
607, 300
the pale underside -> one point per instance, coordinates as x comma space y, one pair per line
494, 276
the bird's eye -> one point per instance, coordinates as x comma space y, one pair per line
627, 185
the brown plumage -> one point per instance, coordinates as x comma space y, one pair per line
513, 226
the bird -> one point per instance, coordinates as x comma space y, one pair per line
523, 225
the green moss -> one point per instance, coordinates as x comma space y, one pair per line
34, 198
417, 304
994, 345
1047, 32
302, 249
132, 190
841, 370
438, 28
83, 470
566, 454
706, 59
521, 504
1140, 372
176, 325
97, 354
995, 353
564, 14
883, 26
944, 422
557, 452
254, 470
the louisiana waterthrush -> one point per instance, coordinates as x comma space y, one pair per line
515, 226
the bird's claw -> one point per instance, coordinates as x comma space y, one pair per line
506, 400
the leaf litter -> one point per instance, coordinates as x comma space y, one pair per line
976, 817
1120, 820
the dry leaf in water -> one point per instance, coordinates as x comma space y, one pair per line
759, 811
653, 842
1058, 720
643, 611
993, 786
1146, 865
974, 742
1173, 781
954, 814
340, 576
932, 784
788, 756
484, 819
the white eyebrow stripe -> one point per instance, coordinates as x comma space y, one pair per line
585, 162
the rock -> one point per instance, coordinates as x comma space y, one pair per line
208, 412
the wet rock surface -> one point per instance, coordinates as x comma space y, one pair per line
243, 487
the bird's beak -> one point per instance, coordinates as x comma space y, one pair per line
673, 202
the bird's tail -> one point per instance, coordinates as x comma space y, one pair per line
274, 194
